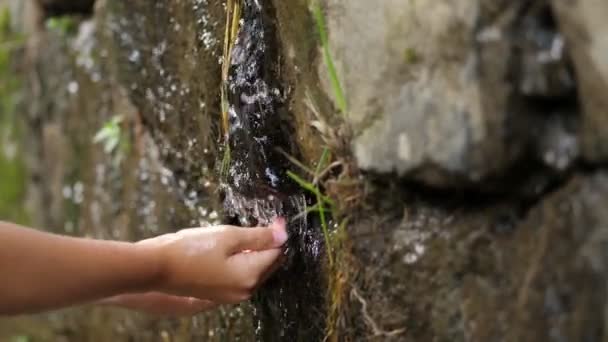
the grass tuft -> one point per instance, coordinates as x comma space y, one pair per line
322, 200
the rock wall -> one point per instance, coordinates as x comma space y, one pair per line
474, 133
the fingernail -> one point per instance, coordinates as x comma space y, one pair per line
279, 221
279, 235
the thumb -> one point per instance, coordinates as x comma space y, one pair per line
260, 238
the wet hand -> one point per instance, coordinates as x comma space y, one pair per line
223, 264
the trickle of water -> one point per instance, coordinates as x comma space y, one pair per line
257, 189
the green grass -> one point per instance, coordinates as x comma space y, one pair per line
329, 62
337, 245
310, 187
321, 200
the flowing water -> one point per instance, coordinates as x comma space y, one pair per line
257, 189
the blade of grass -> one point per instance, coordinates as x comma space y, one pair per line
308, 186
313, 209
235, 19
295, 162
322, 161
331, 68
325, 229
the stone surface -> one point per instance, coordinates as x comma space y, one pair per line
167, 57
441, 91
497, 271
586, 34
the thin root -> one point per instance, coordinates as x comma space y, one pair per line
370, 321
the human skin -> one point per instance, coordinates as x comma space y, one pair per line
175, 274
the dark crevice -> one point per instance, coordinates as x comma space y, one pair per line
55, 8
475, 199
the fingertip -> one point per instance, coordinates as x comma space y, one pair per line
279, 222
279, 234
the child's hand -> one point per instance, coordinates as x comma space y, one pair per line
221, 264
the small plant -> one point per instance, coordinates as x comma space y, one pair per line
112, 138
342, 192
337, 245
329, 62
64, 25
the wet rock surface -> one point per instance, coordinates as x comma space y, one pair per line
257, 187
167, 57
479, 123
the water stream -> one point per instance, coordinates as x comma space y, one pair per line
289, 307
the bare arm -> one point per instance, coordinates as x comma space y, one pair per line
42, 271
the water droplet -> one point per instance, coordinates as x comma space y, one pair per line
73, 87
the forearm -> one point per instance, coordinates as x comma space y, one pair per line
41, 271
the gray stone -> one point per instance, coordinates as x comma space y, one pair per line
432, 87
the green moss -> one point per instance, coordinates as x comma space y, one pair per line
12, 168
411, 56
